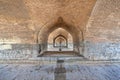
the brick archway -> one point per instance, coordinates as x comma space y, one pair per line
45, 31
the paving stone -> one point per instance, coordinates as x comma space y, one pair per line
47, 72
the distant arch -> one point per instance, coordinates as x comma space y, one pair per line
60, 37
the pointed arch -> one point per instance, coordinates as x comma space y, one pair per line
62, 37
46, 30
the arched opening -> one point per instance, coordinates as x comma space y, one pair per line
74, 34
60, 40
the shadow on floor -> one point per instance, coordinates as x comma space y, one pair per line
60, 71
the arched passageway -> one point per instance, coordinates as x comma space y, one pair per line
60, 40
48, 34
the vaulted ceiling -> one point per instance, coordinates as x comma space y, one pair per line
36, 13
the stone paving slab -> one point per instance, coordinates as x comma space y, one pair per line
47, 72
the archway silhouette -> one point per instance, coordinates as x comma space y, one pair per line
45, 31
60, 39
67, 43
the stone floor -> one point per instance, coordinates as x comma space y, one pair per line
72, 72
59, 54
